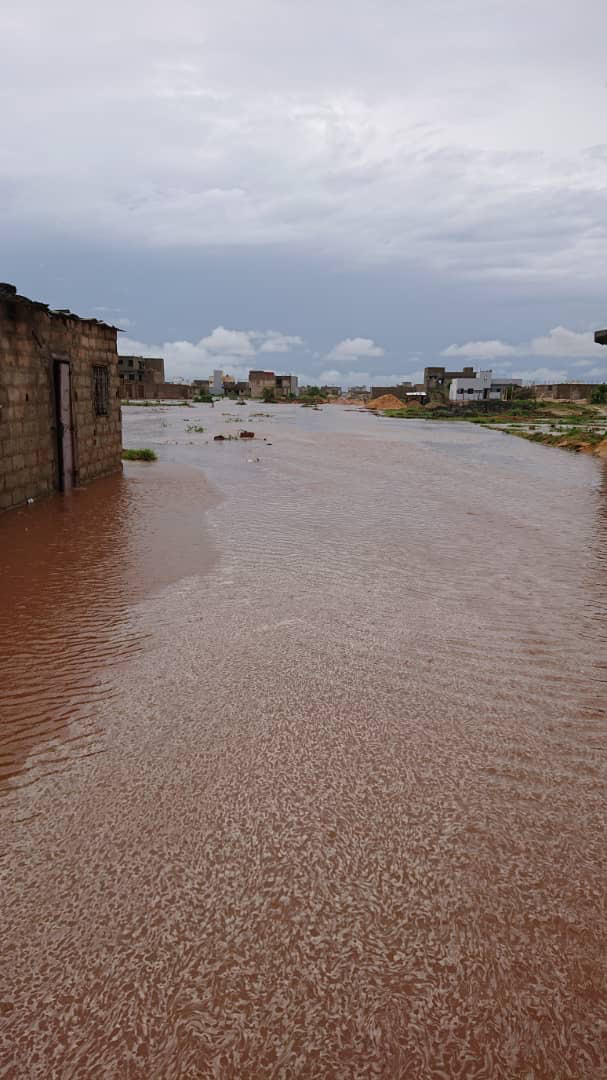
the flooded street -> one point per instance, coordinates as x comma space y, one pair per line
303, 757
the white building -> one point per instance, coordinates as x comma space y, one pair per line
217, 382
483, 387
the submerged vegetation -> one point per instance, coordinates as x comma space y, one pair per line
584, 439
156, 404
570, 425
144, 454
501, 412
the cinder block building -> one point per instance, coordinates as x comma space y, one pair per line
59, 399
437, 379
140, 377
286, 387
564, 391
260, 381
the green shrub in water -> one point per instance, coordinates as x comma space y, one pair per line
144, 454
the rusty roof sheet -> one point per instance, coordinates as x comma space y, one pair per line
9, 292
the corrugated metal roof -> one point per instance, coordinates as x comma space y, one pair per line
9, 292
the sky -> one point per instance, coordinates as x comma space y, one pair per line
349, 189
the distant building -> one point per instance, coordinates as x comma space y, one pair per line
59, 399
140, 376
398, 391
174, 391
241, 389
201, 387
482, 387
285, 386
235, 389
330, 391
260, 381
437, 379
217, 383
564, 391
359, 393
142, 379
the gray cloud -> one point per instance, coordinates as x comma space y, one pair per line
425, 143
559, 342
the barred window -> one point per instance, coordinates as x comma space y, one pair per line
101, 390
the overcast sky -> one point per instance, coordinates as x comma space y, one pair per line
347, 189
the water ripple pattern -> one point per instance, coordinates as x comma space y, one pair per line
70, 571
349, 821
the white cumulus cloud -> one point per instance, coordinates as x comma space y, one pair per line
224, 342
354, 349
275, 342
235, 351
558, 342
480, 350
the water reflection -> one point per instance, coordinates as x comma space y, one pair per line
71, 569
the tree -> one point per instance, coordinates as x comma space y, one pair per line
267, 395
599, 395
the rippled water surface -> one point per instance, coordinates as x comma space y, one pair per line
302, 759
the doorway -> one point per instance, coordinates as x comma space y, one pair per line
65, 434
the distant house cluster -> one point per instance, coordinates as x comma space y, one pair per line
442, 385
259, 385
142, 378
460, 387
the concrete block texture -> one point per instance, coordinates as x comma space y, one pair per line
33, 340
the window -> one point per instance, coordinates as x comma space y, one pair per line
101, 391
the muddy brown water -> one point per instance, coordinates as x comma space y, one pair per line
303, 756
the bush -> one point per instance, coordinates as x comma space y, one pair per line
599, 395
144, 454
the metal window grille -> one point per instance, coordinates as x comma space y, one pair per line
101, 391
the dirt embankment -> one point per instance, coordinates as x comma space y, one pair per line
386, 401
583, 443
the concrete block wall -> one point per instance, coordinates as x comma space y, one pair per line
31, 339
565, 391
28, 445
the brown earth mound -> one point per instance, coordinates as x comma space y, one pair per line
386, 401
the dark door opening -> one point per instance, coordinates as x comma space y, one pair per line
65, 435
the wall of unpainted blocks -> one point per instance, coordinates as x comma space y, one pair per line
31, 339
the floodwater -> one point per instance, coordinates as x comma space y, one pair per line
303, 757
